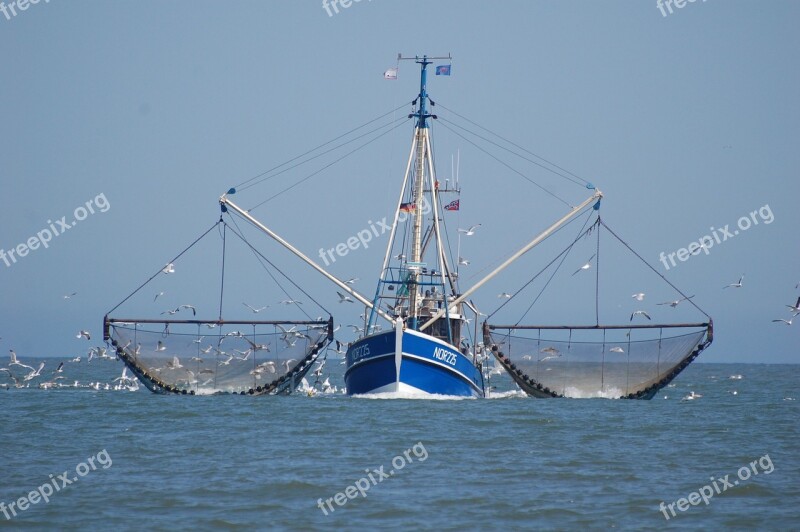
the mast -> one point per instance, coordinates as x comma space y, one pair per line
419, 188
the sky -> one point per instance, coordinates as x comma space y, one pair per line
132, 118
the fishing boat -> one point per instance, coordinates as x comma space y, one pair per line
416, 328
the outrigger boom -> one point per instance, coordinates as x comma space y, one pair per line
227, 203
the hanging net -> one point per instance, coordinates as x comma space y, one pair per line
625, 362
211, 357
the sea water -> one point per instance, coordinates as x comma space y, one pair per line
133, 460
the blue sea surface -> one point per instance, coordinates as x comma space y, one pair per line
241, 462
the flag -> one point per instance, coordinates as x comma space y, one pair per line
443, 70
390, 74
452, 206
407, 207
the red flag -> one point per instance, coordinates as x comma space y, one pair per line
452, 206
407, 207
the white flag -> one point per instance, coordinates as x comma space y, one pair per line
390, 74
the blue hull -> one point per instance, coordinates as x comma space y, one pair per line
425, 365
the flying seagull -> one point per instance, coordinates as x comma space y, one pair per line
463, 262
504, 295
735, 285
351, 280
290, 302
344, 298
639, 296
616, 349
640, 312
787, 322
169, 268
470, 231
84, 334
194, 310
795, 307
67, 296
255, 310
675, 303
585, 266
158, 295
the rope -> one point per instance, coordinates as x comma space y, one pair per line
313, 150
566, 250
262, 257
597, 280
160, 270
581, 182
222, 280
400, 121
655, 271
508, 166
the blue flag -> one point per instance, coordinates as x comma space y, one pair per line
443, 70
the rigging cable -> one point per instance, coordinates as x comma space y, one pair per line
159, 271
689, 299
508, 166
400, 122
583, 182
260, 256
315, 149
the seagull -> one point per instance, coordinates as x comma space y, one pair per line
616, 349
194, 310
351, 280
585, 266
795, 307
287, 363
255, 310
675, 303
400, 257
175, 363
344, 298
59, 369
206, 350
692, 396
470, 231
158, 295
640, 312
76, 359
34, 373
161, 346
504, 295
286, 332
787, 322
548, 357
549, 350
169, 268
290, 302
356, 329
257, 347
172, 312
735, 285
84, 334
639, 296
463, 262
14, 362
68, 296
